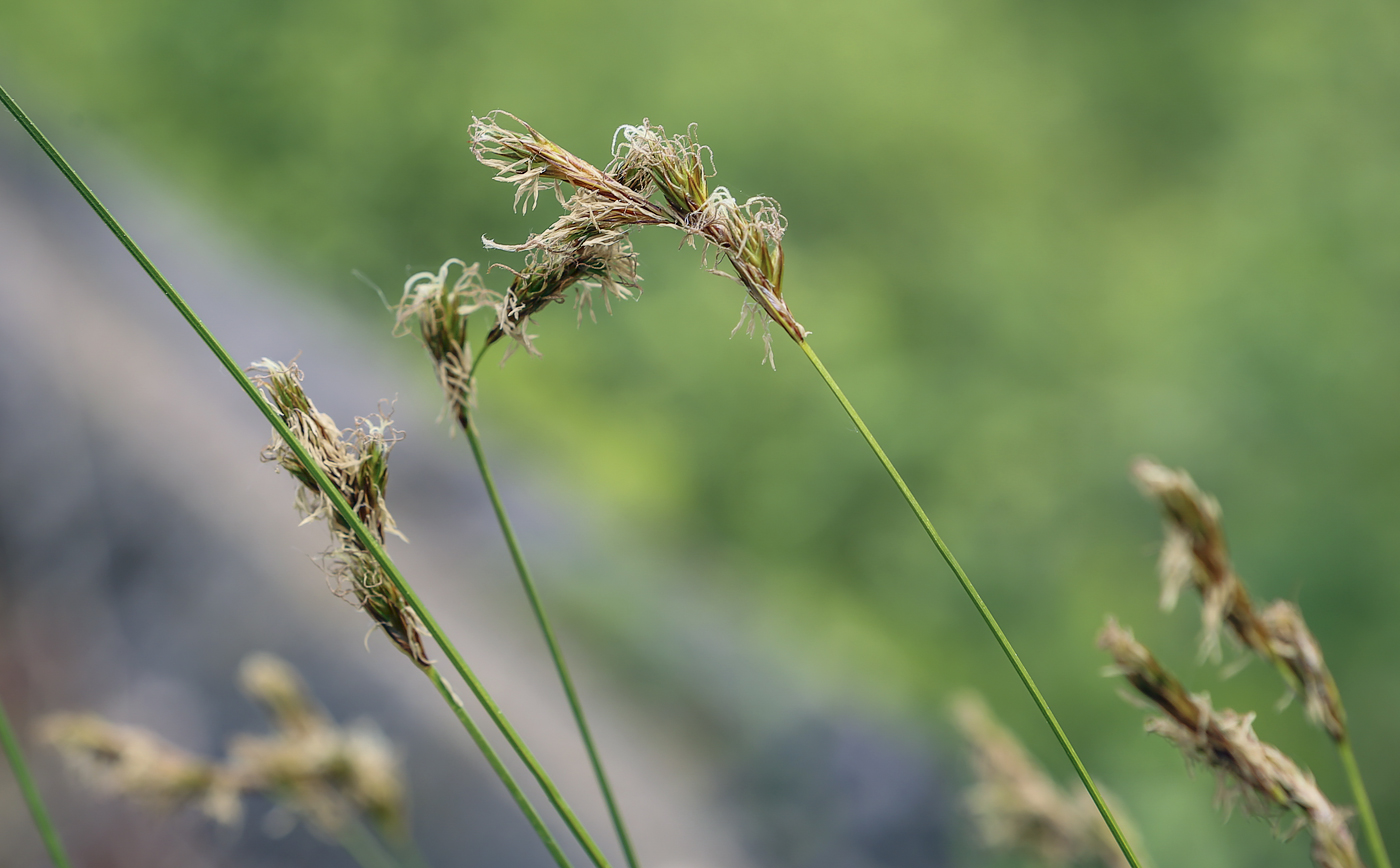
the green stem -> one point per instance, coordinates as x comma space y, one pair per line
468, 425
363, 847
494, 759
982, 609
331, 493
1353, 772
42, 822
1363, 803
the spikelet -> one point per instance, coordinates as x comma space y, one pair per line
1016, 805
133, 762
357, 464
588, 245
1194, 550
309, 765
1250, 771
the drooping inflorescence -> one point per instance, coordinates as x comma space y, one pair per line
652, 180
1195, 551
357, 463
1254, 772
1017, 806
309, 765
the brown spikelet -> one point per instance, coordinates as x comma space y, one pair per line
1017, 806
588, 245
357, 464
1195, 550
1251, 771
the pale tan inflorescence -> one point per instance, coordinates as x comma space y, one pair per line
1195, 551
1016, 805
1251, 771
441, 306
129, 761
309, 765
652, 180
357, 463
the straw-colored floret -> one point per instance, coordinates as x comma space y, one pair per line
357, 463
1251, 771
1017, 806
309, 765
134, 762
653, 180
1195, 551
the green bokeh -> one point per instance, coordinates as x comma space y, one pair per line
1033, 241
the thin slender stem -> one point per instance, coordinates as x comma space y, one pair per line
468, 425
982, 609
1353, 772
331, 493
42, 822
1363, 803
494, 759
363, 847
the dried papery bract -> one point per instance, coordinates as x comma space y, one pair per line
1252, 771
318, 769
1195, 550
441, 308
128, 761
1291, 642
357, 463
1016, 805
589, 242
309, 764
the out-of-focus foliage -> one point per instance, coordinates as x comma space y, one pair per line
1032, 240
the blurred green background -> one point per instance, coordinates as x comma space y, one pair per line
1032, 241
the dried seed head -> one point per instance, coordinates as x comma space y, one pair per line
276, 686
441, 309
1291, 642
1016, 804
311, 765
1195, 550
357, 464
134, 762
589, 242
324, 772
533, 163
1254, 772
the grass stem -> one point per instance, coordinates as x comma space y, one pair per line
501, 771
468, 426
331, 493
982, 609
1363, 804
363, 847
42, 821
1369, 827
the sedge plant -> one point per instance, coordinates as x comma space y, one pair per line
1194, 551
657, 180
349, 525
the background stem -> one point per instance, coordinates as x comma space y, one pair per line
494, 759
982, 609
1363, 804
468, 426
42, 822
331, 493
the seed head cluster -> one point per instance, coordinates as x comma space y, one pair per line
652, 180
1195, 551
357, 463
1251, 771
309, 765
1016, 805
